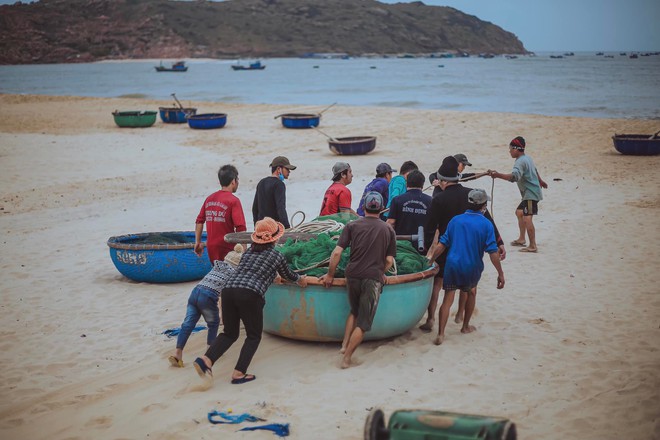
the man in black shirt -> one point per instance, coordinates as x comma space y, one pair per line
270, 198
410, 210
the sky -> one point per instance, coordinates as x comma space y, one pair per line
565, 25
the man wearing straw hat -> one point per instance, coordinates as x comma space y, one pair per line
373, 248
270, 197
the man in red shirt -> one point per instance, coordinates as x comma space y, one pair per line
222, 212
337, 197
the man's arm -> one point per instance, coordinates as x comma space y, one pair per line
495, 259
255, 206
332, 267
280, 204
496, 175
541, 181
199, 247
472, 176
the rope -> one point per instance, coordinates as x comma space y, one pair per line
301, 221
319, 226
492, 198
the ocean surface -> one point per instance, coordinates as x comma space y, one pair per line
582, 85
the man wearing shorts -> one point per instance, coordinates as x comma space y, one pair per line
373, 248
529, 182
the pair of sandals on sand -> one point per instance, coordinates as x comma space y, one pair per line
524, 246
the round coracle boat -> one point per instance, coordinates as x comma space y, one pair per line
351, 146
316, 313
637, 144
159, 257
134, 118
300, 120
207, 121
176, 115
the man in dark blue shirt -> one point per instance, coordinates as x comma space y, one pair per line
380, 184
410, 210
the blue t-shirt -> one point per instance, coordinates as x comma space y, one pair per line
380, 185
467, 237
410, 210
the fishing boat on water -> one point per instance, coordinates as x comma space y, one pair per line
252, 66
179, 66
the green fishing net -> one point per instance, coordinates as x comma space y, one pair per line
312, 257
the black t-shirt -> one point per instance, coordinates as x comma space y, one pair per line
270, 201
411, 210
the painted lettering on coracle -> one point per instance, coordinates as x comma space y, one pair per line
131, 258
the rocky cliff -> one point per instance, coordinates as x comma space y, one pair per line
54, 31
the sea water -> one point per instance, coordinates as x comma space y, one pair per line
582, 85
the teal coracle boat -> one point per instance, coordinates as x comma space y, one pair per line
316, 313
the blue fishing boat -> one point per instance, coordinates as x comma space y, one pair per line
159, 257
179, 66
316, 313
300, 120
637, 144
176, 115
351, 146
252, 66
207, 121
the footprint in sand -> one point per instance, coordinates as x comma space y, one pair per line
148, 408
99, 422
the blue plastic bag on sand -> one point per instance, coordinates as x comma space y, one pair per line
280, 429
232, 418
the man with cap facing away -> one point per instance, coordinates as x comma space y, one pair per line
379, 184
529, 182
373, 248
452, 201
337, 197
270, 197
467, 237
462, 177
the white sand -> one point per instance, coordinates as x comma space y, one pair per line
569, 349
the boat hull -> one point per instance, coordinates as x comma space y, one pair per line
207, 121
134, 119
637, 144
175, 115
159, 263
350, 146
168, 69
300, 120
316, 313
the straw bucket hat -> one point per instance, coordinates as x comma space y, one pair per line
267, 231
234, 257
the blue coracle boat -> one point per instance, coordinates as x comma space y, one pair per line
207, 121
300, 120
315, 313
637, 144
175, 115
159, 257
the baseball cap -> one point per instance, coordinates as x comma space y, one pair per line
373, 202
339, 168
462, 158
478, 196
281, 161
383, 168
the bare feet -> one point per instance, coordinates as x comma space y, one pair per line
427, 326
458, 319
346, 362
439, 340
342, 350
468, 329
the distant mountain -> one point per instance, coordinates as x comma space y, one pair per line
54, 31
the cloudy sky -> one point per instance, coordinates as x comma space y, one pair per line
567, 25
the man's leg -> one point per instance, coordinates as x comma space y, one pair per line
447, 301
471, 300
351, 321
521, 226
356, 339
460, 313
433, 305
528, 221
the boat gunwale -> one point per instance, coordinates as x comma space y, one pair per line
352, 140
391, 280
115, 242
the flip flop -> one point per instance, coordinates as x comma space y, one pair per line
526, 249
518, 243
201, 368
175, 362
246, 378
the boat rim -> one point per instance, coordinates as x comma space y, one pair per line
391, 280
115, 242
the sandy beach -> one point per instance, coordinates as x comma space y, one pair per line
570, 349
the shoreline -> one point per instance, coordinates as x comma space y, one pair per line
558, 351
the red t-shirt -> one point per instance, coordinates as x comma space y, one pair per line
222, 212
337, 197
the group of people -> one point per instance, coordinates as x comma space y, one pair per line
458, 231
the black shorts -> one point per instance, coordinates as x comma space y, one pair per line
363, 296
529, 207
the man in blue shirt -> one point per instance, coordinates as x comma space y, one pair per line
379, 184
467, 237
410, 210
